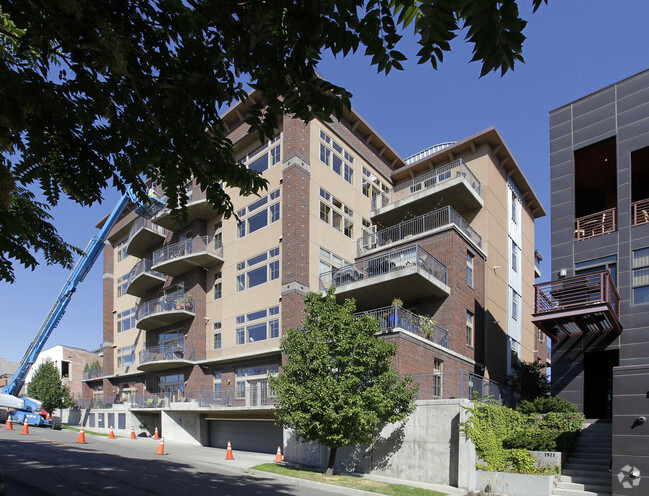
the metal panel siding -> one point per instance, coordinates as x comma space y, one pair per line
592, 102
245, 435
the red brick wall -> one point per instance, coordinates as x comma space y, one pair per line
108, 283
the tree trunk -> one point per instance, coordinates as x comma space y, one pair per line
332, 460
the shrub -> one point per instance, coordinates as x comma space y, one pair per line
567, 422
542, 440
546, 405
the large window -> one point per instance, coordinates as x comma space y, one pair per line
334, 156
264, 156
259, 214
371, 185
171, 383
336, 213
258, 326
126, 320
122, 284
598, 265
641, 276
258, 270
126, 356
330, 261
121, 250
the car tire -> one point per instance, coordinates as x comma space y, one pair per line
56, 423
3, 416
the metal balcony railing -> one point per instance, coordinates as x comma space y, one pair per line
92, 374
169, 303
596, 224
574, 292
440, 175
200, 244
427, 152
159, 400
640, 212
141, 267
141, 223
259, 395
392, 261
394, 316
424, 223
175, 351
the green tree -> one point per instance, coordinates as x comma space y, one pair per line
530, 378
121, 92
337, 385
46, 387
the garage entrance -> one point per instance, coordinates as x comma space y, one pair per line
245, 435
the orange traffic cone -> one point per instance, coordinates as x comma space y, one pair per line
82, 437
161, 447
111, 435
156, 436
25, 427
133, 433
279, 457
228, 455
9, 426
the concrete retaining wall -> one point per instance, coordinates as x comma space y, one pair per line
515, 484
427, 447
186, 427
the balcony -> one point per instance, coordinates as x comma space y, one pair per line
143, 278
394, 317
142, 236
453, 184
585, 304
176, 259
640, 212
165, 357
424, 224
408, 273
197, 208
89, 375
164, 311
596, 224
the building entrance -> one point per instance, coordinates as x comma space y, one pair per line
598, 383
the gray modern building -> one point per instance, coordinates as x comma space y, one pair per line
596, 308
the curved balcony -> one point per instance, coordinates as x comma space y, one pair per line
453, 184
393, 317
164, 311
409, 272
142, 278
176, 259
165, 357
197, 208
142, 236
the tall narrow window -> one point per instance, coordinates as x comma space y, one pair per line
469, 269
640, 279
437, 377
217, 335
514, 257
469, 328
515, 305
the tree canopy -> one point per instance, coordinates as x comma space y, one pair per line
119, 93
337, 385
530, 379
46, 387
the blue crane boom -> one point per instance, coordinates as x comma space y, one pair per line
79, 272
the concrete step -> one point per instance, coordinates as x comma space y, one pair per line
568, 492
590, 455
577, 486
585, 476
587, 467
593, 449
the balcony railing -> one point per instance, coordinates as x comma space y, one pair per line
142, 223
171, 303
424, 223
640, 212
393, 316
231, 397
142, 267
393, 261
194, 246
596, 224
160, 400
587, 289
440, 175
460, 384
92, 374
167, 352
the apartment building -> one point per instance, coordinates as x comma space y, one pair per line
596, 308
194, 312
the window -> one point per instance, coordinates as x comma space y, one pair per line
640, 278
514, 256
336, 213
241, 390
218, 286
539, 335
371, 185
121, 250
126, 320
259, 214
126, 356
469, 328
258, 326
264, 156
514, 208
171, 340
122, 284
217, 335
437, 377
598, 265
65, 369
330, 261
469, 269
171, 383
515, 305
259, 272
336, 157
217, 385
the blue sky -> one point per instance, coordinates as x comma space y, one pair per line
573, 47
